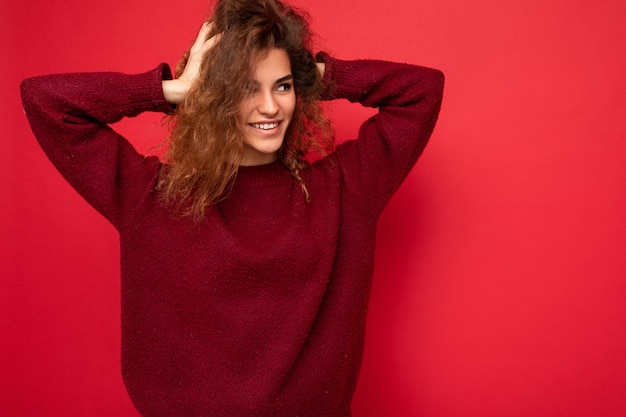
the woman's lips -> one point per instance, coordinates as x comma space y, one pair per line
266, 128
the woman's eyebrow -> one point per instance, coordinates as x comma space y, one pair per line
285, 78
278, 81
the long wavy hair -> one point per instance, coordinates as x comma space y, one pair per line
206, 139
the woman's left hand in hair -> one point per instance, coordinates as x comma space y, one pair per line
176, 90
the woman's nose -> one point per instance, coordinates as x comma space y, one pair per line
266, 103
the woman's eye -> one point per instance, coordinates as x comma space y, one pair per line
284, 87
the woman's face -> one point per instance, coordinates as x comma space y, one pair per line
267, 109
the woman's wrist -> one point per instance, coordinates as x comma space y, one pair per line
321, 67
175, 91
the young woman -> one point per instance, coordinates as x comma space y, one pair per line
246, 270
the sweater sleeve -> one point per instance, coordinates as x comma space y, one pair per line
408, 98
70, 116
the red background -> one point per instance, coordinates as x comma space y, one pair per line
500, 286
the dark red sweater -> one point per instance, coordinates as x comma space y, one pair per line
260, 309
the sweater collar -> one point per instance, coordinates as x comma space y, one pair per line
262, 175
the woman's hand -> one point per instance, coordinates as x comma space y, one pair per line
176, 90
321, 67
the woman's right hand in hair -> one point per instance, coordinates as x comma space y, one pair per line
176, 90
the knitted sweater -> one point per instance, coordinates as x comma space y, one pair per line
259, 310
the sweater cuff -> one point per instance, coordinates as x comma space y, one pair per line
339, 78
158, 75
329, 84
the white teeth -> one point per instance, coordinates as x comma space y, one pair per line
264, 126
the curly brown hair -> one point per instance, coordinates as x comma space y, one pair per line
206, 140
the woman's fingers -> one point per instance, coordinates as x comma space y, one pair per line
176, 90
201, 40
197, 52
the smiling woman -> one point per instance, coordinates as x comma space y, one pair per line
246, 270
216, 77
267, 110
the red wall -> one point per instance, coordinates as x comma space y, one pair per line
500, 287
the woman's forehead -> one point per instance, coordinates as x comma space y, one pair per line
271, 66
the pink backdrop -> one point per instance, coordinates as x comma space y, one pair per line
500, 286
